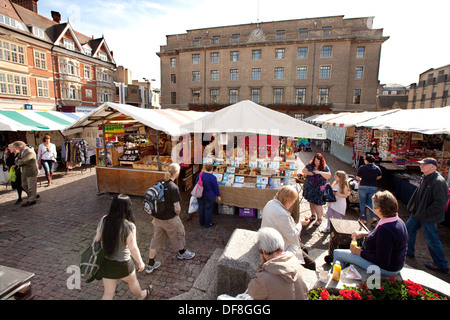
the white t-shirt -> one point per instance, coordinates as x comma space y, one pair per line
47, 154
340, 206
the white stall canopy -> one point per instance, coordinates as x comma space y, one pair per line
247, 117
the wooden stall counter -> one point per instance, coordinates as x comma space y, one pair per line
253, 198
128, 181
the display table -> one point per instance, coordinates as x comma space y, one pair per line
252, 198
14, 282
403, 188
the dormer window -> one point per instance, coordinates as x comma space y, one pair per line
8, 21
103, 56
38, 32
87, 51
69, 44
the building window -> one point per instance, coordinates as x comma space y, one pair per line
196, 58
69, 44
70, 68
42, 88
323, 95
360, 52
278, 95
173, 98
302, 72
214, 75
281, 34
8, 21
302, 53
303, 32
234, 56
256, 73
234, 95
214, 93
215, 39
326, 51
87, 72
12, 52
173, 78
235, 37
357, 96
359, 72
173, 62
279, 73
214, 57
300, 95
12, 84
255, 95
327, 30
72, 92
88, 93
195, 96
195, 76
39, 60
234, 74
325, 72
279, 54
197, 41
256, 55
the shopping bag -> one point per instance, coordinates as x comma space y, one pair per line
12, 175
328, 195
193, 205
198, 188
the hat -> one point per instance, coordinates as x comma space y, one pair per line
429, 161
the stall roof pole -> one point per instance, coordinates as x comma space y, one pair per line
157, 150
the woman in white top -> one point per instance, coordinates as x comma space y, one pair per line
341, 191
46, 156
276, 215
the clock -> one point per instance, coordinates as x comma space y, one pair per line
257, 33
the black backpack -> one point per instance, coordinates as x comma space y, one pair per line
154, 201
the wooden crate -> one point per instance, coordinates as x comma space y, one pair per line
141, 164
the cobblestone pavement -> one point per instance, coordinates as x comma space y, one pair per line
49, 237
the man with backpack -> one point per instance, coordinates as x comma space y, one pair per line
167, 223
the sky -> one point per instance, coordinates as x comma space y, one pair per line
135, 29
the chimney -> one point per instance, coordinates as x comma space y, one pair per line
28, 4
56, 16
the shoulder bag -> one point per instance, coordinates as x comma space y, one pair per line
328, 195
92, 257
198, 189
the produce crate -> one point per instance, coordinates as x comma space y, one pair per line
151, 163
247, 212
226, 209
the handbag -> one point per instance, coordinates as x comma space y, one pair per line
328, 195
92, 258
12, 175
198, 189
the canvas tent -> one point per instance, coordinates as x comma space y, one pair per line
166, 120
247, 117
30, 120
427, 121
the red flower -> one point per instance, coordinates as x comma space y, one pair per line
324, 294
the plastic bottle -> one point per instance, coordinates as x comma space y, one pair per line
354, 242
337, 271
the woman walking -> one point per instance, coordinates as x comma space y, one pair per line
207, 201
119, 243
46, 157
368, 175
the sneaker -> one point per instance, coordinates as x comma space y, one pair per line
153, 267
187, 255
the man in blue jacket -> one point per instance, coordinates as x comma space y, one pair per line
427, 208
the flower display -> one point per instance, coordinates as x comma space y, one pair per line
390, 289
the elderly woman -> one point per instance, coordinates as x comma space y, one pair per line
278, 277
276, 215
386, 245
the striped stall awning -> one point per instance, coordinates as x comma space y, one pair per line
30, 120
166, 120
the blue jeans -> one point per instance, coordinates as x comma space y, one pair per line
431, 236
205, 210
346, 256
47, 165
365, 198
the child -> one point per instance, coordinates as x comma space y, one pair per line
341, 191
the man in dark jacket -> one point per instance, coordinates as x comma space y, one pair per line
427, 208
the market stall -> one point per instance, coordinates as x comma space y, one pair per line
254, 151
133, 159
30, 126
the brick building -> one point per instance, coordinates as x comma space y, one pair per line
47, 65
432, 89
303, 64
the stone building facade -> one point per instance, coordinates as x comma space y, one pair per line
304, 64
